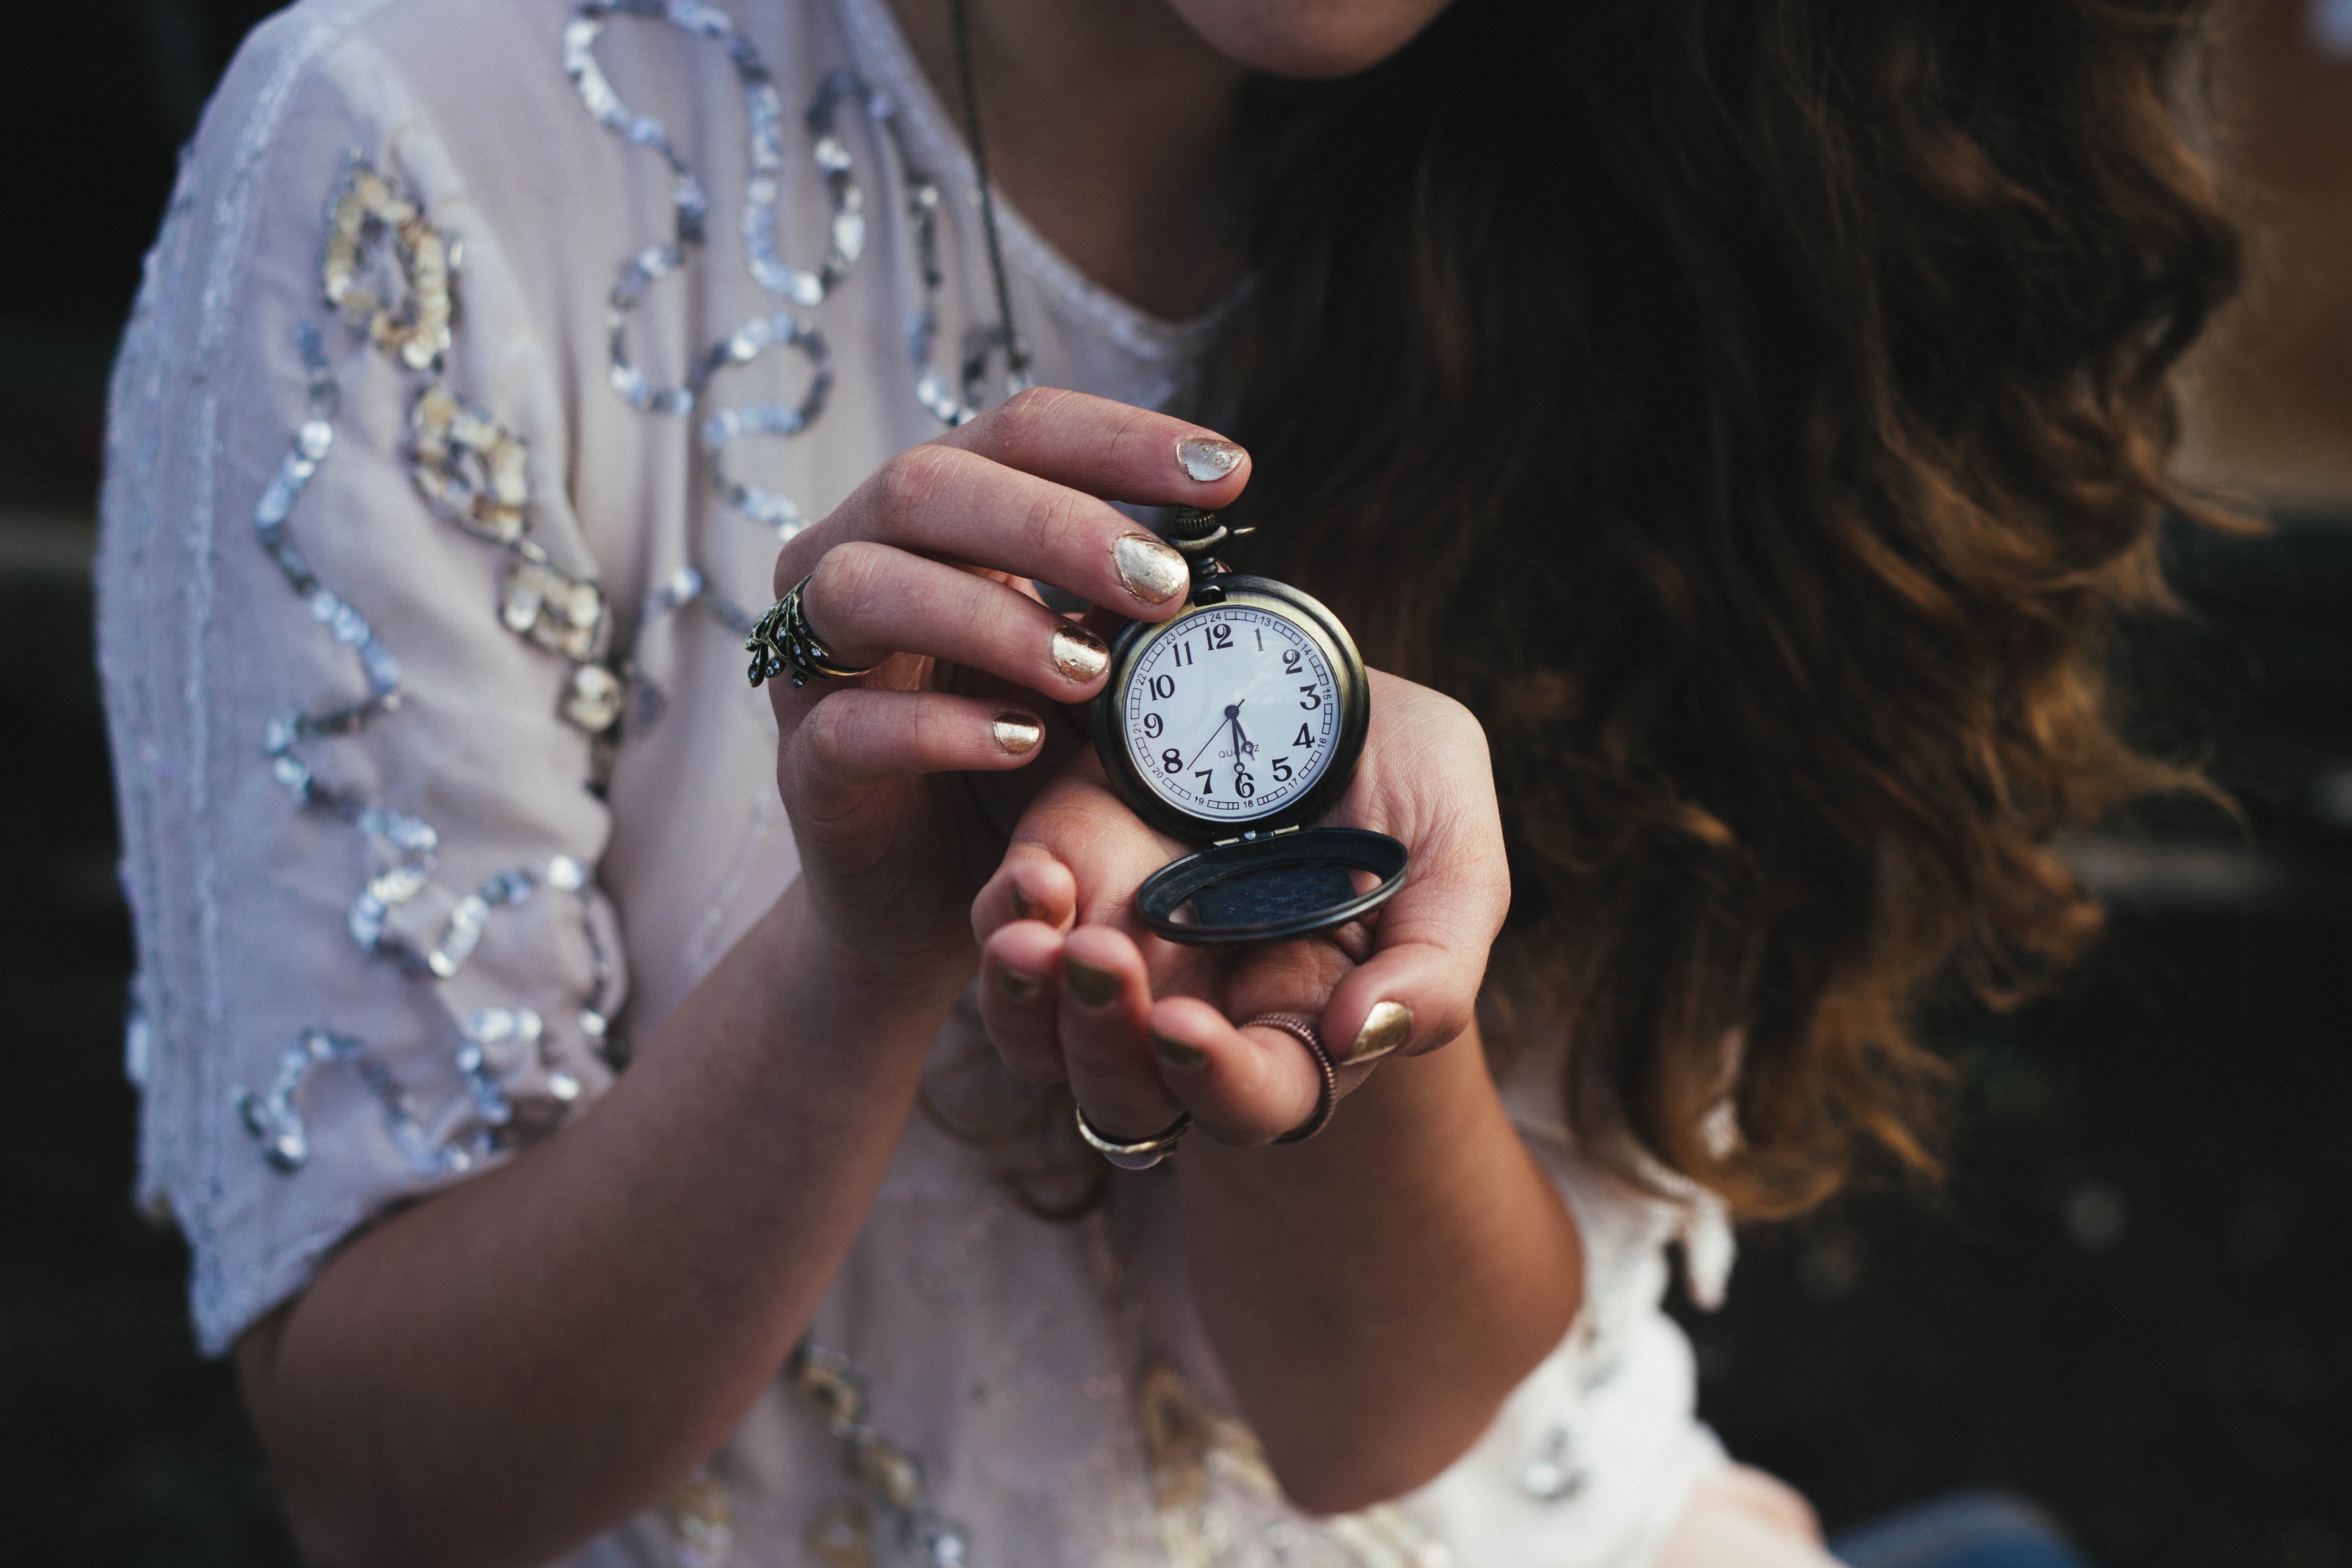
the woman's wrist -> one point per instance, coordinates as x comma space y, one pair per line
853, 977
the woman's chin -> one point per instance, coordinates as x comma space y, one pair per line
1308, 40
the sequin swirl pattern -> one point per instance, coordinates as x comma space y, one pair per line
805, 288
888, 1476
392, 274
389, 273
690, 208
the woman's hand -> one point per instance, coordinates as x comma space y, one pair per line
1070, 973
925, 571
1372, 1296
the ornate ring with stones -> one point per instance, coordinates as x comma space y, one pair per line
782, 643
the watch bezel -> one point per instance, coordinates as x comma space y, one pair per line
1339, 650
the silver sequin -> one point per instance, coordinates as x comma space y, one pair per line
474, 473
402, 846
1553, 1473
782, 420
463, 932
276, 1122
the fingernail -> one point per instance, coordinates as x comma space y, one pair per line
1094, 987
1207, 458
1386, 1027
1152, 570
1021, 987
1024, 906
1078, 654
1182, 1055
1017, 732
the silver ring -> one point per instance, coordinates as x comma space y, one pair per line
1302, 1029
1141, 1155
783, 643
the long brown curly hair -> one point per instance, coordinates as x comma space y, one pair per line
1757, 412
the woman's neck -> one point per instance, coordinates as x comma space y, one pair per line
1110, 125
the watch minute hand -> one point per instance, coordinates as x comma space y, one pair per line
1211, 740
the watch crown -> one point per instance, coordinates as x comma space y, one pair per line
1190, 525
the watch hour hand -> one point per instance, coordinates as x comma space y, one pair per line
1213, 733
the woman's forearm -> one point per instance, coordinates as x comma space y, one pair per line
498, 1373
1375, 1293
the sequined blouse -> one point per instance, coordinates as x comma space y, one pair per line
485, 354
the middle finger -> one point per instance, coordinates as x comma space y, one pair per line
869, 601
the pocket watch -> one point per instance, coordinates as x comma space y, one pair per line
1235, 724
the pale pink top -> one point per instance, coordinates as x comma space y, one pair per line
388, 590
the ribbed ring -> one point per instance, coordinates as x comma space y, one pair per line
1141, 1155
1302, 1029
783, 642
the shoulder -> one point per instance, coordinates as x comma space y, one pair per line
385, 64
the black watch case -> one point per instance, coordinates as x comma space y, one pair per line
1270, 878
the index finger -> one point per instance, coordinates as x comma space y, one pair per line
1112, 450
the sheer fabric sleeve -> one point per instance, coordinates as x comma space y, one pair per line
352, 644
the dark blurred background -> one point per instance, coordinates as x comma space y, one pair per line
2129, 1300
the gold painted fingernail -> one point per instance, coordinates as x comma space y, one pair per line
1024, 906
1078, 654
1207, 458
1021, 987
1386, 1027
1094, 987
1152, 570
1180, 1054
1017, 732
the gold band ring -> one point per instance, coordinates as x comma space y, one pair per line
1141, 1155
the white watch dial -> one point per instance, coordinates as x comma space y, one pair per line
1232, 713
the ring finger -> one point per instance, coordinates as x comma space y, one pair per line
1106, 997
866, 602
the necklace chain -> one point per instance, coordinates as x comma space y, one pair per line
1016, 358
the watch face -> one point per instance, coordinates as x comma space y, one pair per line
1231, 713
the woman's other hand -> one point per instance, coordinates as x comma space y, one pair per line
1070, 974
925, 571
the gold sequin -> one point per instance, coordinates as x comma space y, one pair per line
554, 609
702, 1518
843, 1535
895, 1475
414, 331
470, 469
825, 1380
592, 700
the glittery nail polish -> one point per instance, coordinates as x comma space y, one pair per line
1181, 1055
1388, 1026
1017, 732
1094, 987
1078, 654
1207, 458
1151, 571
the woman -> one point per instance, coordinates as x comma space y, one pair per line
1751, 411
